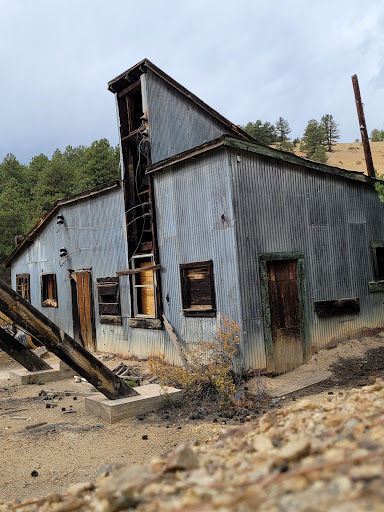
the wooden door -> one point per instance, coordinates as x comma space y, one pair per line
287, 335
83, 318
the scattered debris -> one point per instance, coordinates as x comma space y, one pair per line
127, 373
42, 352
36, 425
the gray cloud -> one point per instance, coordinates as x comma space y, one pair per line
246, 59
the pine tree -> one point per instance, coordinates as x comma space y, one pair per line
282, 129
314, 141
262, 132
331, 130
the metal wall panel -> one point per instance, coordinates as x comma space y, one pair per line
175, 122
281, 207
190, 202
94, 237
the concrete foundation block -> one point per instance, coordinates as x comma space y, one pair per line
150, 397
58, 372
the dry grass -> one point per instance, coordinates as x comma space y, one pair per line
350, 156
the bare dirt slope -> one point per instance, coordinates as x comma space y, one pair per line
350, 156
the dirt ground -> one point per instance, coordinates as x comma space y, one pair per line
72, 446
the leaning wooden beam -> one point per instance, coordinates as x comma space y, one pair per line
176, 342
62, 345
21, 354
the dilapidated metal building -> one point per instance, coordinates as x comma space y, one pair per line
206, 222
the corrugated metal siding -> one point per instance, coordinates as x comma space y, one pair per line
175, 122
189, 203
282, 208
94, 236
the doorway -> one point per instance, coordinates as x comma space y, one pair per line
82, 309
284, 311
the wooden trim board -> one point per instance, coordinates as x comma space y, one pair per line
287, 390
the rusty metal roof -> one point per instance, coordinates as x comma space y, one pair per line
254, 147
133, 74
76, 197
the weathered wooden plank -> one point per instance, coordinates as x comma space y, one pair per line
21, 354
88, 310
145, 323
112, 320
61, 344
138, 270
107, 289
287, 390
109, 308
175, 341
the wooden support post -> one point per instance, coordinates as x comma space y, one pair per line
21, 354
176, 342
363, 128
62, 345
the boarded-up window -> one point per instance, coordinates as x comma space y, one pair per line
109, 299
198, 291
144, 287
48, 290
23, 287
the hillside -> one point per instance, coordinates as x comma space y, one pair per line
350, 156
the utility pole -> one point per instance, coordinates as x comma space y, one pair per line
363, 128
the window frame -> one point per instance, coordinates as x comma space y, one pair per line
105, 317
135, 287
48, 302
186, 300
23, 286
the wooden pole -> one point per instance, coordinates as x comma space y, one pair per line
21, 354
62, 345
363, 128
176, 342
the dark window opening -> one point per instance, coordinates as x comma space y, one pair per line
380, 263
327, 308
130, 110
109, 299
144, 287
198, 290
48, 290
135, 104
23, 287
378, 259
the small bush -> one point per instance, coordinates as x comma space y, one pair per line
211, 375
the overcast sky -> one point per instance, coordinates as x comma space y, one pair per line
247, 59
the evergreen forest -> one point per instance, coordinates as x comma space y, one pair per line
27, 192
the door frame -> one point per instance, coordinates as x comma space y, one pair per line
303, 301
75, 307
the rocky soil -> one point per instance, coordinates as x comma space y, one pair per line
304, 457
321, 453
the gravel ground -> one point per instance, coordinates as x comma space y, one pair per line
71, 447
303, 457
